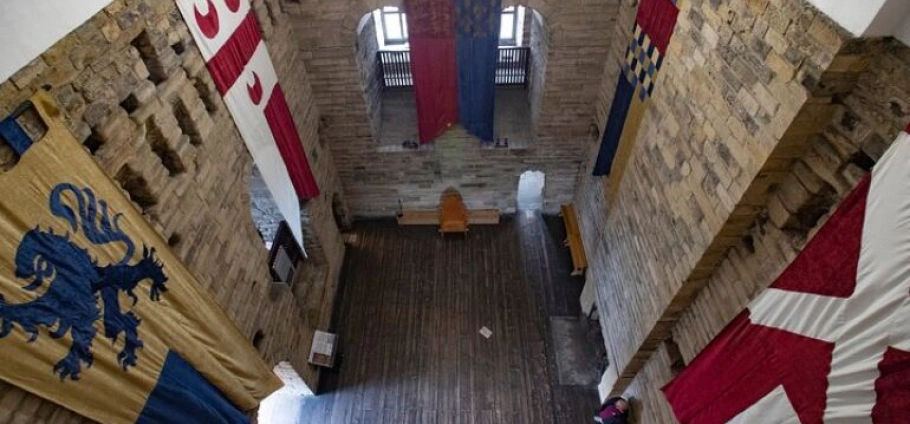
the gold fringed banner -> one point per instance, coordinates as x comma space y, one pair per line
97, 313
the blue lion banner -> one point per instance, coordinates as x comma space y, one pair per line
96, 313
73, 282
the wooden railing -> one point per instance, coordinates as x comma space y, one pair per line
511, 67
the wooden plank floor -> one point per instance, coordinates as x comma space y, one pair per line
408, 320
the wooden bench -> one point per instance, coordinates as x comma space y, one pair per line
424, 217
452, 216
573, 240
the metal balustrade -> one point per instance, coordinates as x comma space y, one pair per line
511, 67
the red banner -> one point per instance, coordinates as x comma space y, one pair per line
431, 28
280, 121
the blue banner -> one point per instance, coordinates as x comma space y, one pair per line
182, 395
615, 123
476, 46
14, 135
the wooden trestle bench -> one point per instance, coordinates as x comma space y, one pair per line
573, 240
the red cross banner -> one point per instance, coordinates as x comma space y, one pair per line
829, 341
230, 40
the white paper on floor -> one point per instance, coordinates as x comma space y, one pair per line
484, 331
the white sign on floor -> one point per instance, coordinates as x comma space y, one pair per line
484, 331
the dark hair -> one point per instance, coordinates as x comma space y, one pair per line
613, 400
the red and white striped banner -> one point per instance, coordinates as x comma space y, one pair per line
230, 40
829, 341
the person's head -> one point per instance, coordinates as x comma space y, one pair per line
622, 405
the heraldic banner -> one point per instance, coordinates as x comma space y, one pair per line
829, 341
655, 22
230, 41
477, 49
431, 32
454, 48
96, 313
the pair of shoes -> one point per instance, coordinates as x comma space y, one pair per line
598, 419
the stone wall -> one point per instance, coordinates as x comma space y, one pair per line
739, 92
135, 91
526, 29
867, 121
368, 63
375, 180
511, 121
649, 405
764, 117
539, 42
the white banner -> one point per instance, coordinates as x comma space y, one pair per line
230, 41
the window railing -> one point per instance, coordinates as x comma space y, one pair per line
395, 68
511, 67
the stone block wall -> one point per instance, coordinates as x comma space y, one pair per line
135, 91
764, 116
375, 180
322, 238
539, 42
368, 62
739, 79
511, 121
649, 406
866, 121
526, 29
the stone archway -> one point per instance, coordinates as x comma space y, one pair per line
564, 84
530, 190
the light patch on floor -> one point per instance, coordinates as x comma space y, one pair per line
575, 358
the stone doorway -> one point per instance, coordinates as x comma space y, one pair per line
530, 190
284, 406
